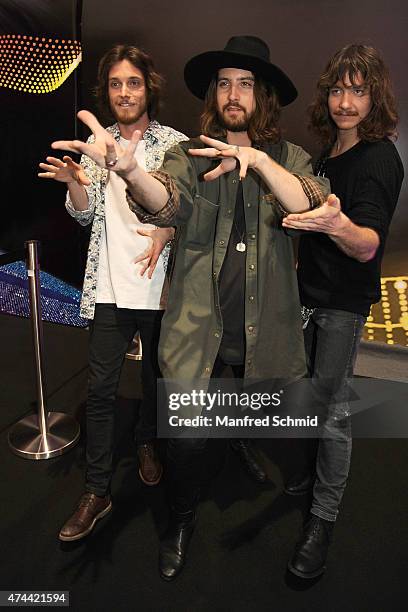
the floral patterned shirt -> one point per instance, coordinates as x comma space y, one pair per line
158, 139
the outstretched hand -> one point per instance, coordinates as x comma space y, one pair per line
228, 154
104, 151
327, 218
65, 171
159, 237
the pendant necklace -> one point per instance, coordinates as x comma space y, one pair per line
240, 246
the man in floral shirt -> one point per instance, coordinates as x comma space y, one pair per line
118, 296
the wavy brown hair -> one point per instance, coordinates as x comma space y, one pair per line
263, 123
354, 60
153, 80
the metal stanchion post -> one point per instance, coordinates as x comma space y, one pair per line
46, 434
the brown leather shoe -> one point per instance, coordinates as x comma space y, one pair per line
90, 509
150, 468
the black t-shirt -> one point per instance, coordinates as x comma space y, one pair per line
232, 290
367, 178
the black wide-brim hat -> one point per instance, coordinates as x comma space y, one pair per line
246, 52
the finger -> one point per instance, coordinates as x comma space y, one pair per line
300, 225
316, 213
91, 121
75, 146
70, 162
142, 257
204, 152
46, 175
136, 136
152, 267
145, 232
213, 174
56, 161
212, 142
48, 167
83, 179
243, 167
333, 200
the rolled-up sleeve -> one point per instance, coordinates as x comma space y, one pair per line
316, 188
179, 177
165, 216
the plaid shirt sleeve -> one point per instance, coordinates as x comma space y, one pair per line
311, 189
165, 216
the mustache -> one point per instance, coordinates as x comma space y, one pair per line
229, 105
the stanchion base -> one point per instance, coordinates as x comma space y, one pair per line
25, 438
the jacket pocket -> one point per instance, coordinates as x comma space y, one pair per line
200, 229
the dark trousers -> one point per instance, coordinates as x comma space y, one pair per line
331, 342
111, 331
185, 459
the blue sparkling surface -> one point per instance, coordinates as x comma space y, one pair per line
59, 300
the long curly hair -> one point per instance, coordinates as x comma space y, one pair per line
263, 124
153, 80
353, 61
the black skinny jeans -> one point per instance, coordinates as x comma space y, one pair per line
111, 331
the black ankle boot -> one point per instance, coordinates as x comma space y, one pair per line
244, 450
309, 558
174, 546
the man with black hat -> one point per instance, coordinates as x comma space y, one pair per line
233, 297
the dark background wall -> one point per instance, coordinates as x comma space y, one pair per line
301, 35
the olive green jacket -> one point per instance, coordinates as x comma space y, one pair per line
192, 325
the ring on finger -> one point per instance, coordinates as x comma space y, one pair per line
112, 162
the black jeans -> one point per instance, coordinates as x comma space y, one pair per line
185, 459
111, 331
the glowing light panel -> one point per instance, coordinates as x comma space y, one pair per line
36, 64
388, 320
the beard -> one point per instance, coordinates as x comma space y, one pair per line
238, 124
128, 116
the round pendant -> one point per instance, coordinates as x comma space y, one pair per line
241, 247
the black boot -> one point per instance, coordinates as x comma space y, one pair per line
300, 483
246, 453
174, 546
309, 558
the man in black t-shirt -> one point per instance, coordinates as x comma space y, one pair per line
340, 253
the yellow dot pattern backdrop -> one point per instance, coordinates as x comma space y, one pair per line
388, 320
36, 64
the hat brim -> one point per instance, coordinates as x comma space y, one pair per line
199, 71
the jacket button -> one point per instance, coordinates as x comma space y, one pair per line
251, 267
216, 334
252, 236
221, 242
207, 370
250, 328
251, 298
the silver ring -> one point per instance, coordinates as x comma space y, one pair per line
112, 163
